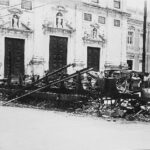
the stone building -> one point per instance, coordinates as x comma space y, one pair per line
84, 31
42, 35
16, 37
135, 40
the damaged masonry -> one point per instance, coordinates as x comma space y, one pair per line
79, 56
115, 94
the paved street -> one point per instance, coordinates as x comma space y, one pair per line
31, 129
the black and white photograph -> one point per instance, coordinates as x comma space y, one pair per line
74, 74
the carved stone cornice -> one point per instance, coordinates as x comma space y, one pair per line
92, 41
131, 28
130, 55
60, 8
6, 30
137, 22
111, 66
57, 30
106, 9
15, 11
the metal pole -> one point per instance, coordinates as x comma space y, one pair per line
144, 36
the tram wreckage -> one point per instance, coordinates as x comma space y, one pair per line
118, 94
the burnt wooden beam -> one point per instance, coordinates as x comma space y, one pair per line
40, 80
51, 83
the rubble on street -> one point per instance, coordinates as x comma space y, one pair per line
106, 94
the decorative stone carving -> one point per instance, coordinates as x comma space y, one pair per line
15, 21
69, 25
47, 29
60, 25
37, 60
13, 25
61, 9
94, 34
130, 55
131, 28
15, 11
59, 20
15, 17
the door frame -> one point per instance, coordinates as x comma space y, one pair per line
96, 47
24, 47
59, 36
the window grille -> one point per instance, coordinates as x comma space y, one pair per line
117, 23
117, 4
101, 20
87, 17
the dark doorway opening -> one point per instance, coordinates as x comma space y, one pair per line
93, 58
14, 57
57, 52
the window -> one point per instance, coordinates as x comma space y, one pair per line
130, 37
95, 1
4, 2
87, 17
101, 20
26, 4
117, 23
117, 4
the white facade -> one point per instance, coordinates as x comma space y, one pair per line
135, 40
15, 28
67, 19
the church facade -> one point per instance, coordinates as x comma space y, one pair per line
37, 36
88, 33
16, 38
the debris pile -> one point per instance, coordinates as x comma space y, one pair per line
85, 91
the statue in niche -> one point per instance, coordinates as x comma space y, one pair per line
94, 33
15, 21
59, 20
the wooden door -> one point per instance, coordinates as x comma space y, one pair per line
14, 57
58, 52
93, 58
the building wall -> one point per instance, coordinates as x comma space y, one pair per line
19, 32
41, 24
135, 50
81, 36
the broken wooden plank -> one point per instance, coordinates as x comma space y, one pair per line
51, 83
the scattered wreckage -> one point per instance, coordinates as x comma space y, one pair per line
113, 93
